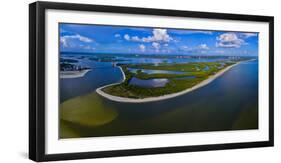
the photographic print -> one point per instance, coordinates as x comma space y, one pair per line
109, 81
130, 80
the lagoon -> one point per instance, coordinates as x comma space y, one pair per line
146, 71
149, 83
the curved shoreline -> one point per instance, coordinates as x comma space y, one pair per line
74, 74
164, 97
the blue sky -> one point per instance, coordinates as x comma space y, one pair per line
146, 40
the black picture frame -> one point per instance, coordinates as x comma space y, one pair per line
37, 80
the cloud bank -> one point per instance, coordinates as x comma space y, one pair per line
65, 40
229, 40
158, 35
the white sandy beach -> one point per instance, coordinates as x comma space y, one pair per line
73, 74
168, 96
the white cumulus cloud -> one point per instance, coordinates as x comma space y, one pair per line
136, 39
156, 45
229, 40
142, 47
117, 35
127, 37
158, 35
65, 40
203, 47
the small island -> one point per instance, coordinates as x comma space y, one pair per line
150, 82
68, 69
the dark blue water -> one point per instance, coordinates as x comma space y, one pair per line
94, 79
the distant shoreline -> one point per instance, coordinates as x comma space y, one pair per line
164, 97
73, 74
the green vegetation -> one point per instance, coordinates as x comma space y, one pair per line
198, 70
